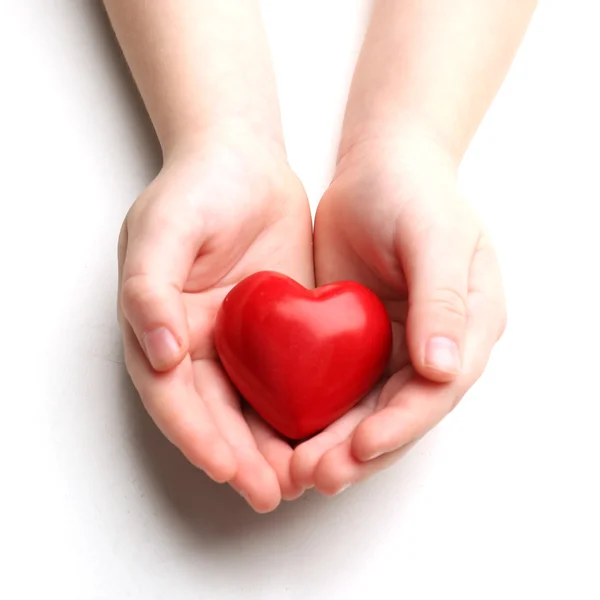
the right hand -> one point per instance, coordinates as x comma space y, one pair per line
214, 215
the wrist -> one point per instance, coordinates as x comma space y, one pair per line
407, 145
243, 136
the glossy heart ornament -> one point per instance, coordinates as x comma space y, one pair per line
302, 358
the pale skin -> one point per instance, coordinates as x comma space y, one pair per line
226, 204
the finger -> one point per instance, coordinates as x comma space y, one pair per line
418, 406
437, 260
201, 309
256, 484
255, 479
415, 409
174, 405
161, 249
277, 452
308, 454
338, 469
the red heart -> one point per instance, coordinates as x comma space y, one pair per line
302, 358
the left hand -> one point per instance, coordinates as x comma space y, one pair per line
393, 220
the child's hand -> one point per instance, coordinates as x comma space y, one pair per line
393, 220
212, 216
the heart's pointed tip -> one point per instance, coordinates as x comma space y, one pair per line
295, 430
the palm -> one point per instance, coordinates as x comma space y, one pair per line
356, 237
262, 456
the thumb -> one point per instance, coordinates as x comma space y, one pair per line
436, 264
158, 257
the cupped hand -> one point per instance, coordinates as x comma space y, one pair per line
213, 215
394, 220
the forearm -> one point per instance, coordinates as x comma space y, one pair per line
433, 66
200, 65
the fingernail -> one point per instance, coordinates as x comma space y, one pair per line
161, 347
374, 456
442, 354
342, 489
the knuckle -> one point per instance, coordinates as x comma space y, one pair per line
136, 293
159, 210
449, 301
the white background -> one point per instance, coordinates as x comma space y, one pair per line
501, 501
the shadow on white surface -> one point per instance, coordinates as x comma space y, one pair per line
212, 513
130, 100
